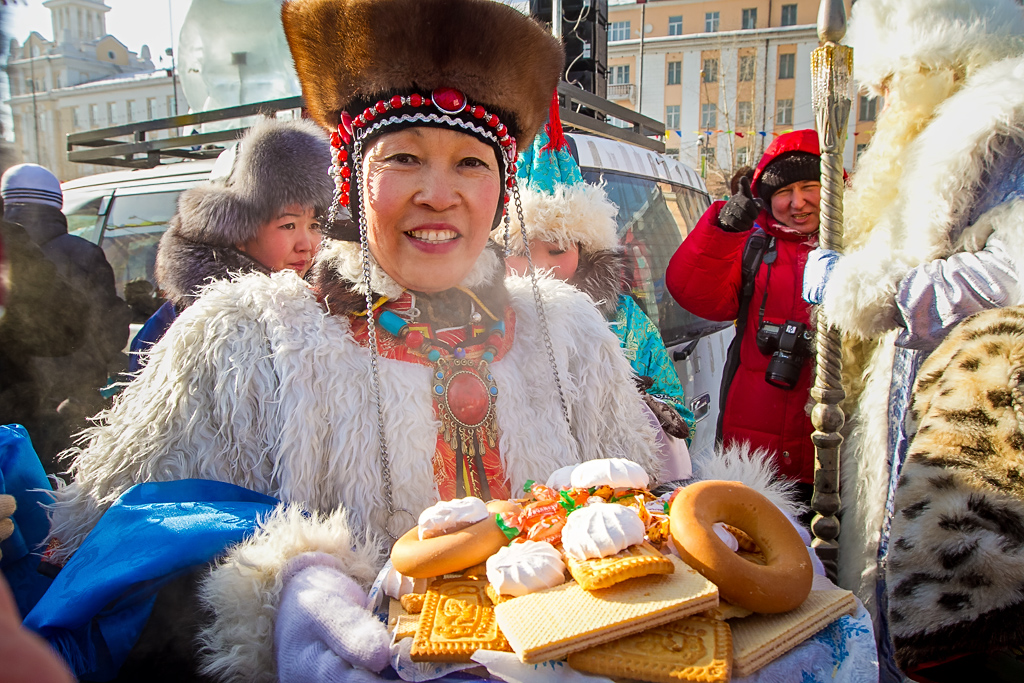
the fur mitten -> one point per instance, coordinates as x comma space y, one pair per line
324, 630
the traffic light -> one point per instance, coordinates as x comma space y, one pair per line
585, 34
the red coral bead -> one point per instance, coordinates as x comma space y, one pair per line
501, 130
396, 101
343, 200
506, 141
492, 121
506, 198
415, 100
427, 102
342, 155
414, 339
479, 112
381, 107
335, 140
345, 186
368, 114
346, 172
358, 121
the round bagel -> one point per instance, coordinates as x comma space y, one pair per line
453, 552
782, 585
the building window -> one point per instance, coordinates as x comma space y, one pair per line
789, 15
94, 115
784, 112
747, 66
675, 26
787, 64
672, 117
743, 156
619, 30
710, 22
868, 108
110, 114
620, 74
750, 18
710, 70
76, 122
110, 54
708, 116
150, 108
745, 114
129, 108
675, 73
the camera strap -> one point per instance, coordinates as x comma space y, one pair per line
758, 249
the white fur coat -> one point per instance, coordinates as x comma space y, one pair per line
945, 169
257, 385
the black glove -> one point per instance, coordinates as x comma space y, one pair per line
740, 212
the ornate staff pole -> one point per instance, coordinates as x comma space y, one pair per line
831, 65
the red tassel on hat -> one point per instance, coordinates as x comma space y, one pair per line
556, 138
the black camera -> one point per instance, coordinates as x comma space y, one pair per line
789, 345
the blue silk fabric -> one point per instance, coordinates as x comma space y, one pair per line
97, 606
22, 476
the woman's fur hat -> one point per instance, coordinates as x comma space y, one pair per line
894, 36
350, 53
276, 164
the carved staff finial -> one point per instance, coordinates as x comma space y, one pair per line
831, 68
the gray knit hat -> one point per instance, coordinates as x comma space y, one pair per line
31, 184
277, 164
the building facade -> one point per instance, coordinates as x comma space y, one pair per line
83, 79
726, 77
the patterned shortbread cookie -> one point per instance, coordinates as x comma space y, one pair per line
456, 621
693, 649
762, 638
552, 623
635, 561
725, 611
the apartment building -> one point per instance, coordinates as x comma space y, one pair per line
81, 80
726, 76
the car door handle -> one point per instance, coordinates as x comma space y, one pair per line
700, 406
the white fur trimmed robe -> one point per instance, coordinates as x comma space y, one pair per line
257, 385
949, 246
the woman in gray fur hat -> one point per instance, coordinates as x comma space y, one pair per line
262, 214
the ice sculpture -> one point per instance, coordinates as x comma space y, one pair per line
233, 52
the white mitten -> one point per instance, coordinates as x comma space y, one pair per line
325, 631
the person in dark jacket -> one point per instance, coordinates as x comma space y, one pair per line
705, 277
261, 212
70, 385
40, 316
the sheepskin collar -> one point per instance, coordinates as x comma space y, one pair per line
183, 266
337, 277
948, 164
600, 276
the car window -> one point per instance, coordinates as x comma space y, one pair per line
654, 217
81, 210
134, 226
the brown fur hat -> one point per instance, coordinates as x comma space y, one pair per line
276, 164
350, 53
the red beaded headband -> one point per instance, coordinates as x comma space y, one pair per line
446, 100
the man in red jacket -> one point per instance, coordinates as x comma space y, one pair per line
767, 400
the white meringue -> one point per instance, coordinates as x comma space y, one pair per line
448, 514
601, 530
614, 472
525, 567
396, 585
560, 478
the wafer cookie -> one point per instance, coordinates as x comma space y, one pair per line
761, 638
632, 562
406, 626
456, 621
554, 622
694, 649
